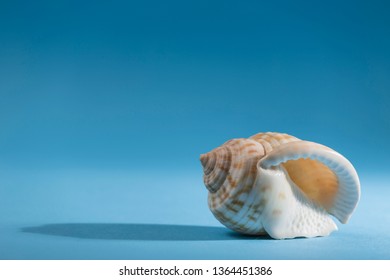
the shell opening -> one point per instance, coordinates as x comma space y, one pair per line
317, 181
339, 201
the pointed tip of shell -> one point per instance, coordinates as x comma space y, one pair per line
215, 167
208, 161
204, 158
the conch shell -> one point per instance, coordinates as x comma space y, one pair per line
277, 184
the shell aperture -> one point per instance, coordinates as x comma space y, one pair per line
277, 184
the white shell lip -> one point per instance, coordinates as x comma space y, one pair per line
299, 215
348, 195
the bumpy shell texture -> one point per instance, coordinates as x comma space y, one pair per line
277, 184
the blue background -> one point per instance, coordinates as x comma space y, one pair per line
106, 106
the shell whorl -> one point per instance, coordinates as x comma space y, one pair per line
228, 164
250, 179
216, 166
229, 174
272, 140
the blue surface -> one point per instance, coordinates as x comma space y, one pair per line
105, 108
119, 215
